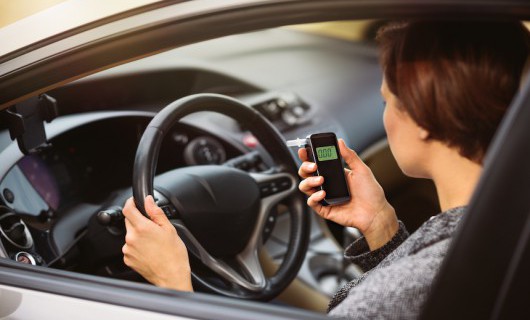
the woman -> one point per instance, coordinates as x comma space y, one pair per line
446, 87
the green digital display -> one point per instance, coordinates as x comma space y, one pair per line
326, 153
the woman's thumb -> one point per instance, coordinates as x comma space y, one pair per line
156, 214
350, 157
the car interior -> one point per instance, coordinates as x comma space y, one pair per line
330, 84
60, 204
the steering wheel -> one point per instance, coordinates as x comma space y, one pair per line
221, 212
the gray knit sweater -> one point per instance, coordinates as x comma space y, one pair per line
398, 275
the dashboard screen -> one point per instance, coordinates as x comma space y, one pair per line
40, 176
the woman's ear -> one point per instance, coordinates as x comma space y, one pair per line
424, 134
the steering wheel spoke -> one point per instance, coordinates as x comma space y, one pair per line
274, 187
248, 260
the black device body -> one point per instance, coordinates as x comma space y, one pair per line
323, 149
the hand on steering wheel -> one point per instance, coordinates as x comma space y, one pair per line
154, 249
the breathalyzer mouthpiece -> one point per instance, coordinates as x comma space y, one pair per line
296, 142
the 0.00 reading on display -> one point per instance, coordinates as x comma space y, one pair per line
326, 153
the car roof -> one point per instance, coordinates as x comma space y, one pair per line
59, 19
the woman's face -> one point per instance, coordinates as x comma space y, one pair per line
404, 137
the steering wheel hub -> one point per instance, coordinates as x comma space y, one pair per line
218, 204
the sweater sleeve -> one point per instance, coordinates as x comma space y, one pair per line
396, 290
359, 253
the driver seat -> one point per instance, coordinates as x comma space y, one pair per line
486, 273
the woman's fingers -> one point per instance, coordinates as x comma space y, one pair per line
308, 185
302, 154
307, 169
156, 214
131, 213
314, 200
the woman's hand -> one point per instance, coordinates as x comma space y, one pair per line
154, 249
368, 210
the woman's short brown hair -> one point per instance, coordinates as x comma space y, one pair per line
454, 78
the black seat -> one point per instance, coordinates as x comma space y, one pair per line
486, 273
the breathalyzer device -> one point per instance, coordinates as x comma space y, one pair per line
323, 149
